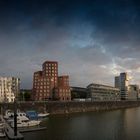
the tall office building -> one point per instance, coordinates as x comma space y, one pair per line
124, 83
46, 83
9, 88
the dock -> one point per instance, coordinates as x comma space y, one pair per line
32, 129
10, 132
11, 135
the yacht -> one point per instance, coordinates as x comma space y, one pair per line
10, 115
23, 121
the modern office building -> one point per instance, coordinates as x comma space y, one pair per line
48, 86
124, 85
9, 89
127, 92
122, 82
102, 92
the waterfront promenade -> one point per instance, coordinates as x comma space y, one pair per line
54, 107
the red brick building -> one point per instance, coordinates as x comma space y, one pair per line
48, 86
63, 90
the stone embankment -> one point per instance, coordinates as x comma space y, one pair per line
71, 107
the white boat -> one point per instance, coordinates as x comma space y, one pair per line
9, 114
25, 122
33, 115
43, 115
22, 120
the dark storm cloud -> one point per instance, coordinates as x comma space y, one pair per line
101, 37
117, 26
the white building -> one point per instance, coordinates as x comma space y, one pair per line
103, 92
9, 88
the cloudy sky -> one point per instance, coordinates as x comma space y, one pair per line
93, 40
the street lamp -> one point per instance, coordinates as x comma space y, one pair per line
15, 89
23, 92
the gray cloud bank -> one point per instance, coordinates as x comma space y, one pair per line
92, 40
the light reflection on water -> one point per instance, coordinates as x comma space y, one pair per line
111, 125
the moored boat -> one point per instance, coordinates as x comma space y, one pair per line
33, 115
25, 122
10, 115
43, 115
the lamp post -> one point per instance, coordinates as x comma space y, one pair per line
23, 99
15, 89
15, 117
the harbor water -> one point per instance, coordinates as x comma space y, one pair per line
106, 125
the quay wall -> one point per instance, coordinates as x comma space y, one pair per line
71, 107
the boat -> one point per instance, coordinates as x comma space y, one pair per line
23, 121
43, 115
9, 115
33, 115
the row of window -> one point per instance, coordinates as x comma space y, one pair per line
40, 94
41, 83
104, 92
46, 79
49, 68
51, 64
64, 99
67, 94
42, 87
42, 91
64, 90
51, 71
51, 74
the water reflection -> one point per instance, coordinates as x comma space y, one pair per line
112, 125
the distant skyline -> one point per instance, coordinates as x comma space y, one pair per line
92, 40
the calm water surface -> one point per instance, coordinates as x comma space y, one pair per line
110, 125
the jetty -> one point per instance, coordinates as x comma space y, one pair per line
10, 133
32, 129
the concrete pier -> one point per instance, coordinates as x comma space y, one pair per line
10, 133
32, 129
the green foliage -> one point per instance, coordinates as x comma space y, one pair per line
25, 95
78, 95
